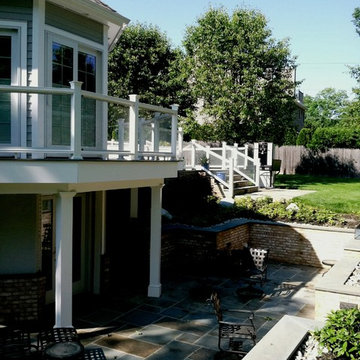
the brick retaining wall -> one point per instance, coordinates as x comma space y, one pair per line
22, 297
294, 244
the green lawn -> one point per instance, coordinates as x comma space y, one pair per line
340, 195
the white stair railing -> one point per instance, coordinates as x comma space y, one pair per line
234, 159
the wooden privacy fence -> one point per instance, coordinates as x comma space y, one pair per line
290, 157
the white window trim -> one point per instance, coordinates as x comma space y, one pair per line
79, 45
18, 119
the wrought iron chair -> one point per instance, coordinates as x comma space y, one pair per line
15, 343
254, 265
233, 335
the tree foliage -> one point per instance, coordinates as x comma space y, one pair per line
242, 74
326, 108
144, 63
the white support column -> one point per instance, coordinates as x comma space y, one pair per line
134, 196
64, 258
134, 126
75, 124
154, 289
99, 243
174, 125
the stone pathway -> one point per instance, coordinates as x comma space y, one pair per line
278, 194
181, 325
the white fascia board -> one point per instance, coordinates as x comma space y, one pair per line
83, 172
101, 14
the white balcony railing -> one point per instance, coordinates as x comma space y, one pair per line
143, 131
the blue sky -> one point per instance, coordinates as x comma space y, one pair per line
321, 32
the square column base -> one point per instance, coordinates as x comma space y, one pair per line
154, 291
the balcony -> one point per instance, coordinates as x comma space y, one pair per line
143, 131
143, 153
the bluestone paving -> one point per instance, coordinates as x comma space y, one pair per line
180, 325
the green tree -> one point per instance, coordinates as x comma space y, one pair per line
326, 108
242, 75
144, 63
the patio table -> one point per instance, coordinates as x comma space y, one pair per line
64, 350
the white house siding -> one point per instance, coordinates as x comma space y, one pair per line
19, 227
73, 23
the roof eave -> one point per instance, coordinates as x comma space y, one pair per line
94, 11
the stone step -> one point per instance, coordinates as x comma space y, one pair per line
245, 190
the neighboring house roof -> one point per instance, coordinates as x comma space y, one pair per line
98, 11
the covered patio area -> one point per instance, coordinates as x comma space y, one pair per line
180, 324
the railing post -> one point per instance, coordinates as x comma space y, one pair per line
231, 178
234, 154
246, 152
141, 136
75, 120
155, 134
134, 127
223, 162
193, 154
121, 123
174, 125
257, 174
207, 154
180, 154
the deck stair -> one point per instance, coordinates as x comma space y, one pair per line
241, 186
232, 169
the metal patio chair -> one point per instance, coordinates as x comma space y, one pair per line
232, 335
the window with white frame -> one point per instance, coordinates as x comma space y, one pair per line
72, 61
12, 72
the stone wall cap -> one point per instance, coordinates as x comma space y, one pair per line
226, 225
283, 339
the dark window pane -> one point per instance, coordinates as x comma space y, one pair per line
82, 61
5, 46
57, 75
67, 76
56, 55
67, 56
90, 83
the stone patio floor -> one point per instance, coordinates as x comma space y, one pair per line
180, 324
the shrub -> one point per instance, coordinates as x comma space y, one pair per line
335, 137
188, 188
304, 137
341, 334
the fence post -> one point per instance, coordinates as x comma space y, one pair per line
223, 161
121, 125
231, 178
75, 120
174, 125
134, 127
193, 154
